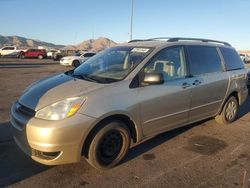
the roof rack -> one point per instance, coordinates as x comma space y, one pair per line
175, 39
139, 40
150, 39
198, 39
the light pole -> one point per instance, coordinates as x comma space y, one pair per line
131, 19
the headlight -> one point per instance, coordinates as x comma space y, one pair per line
62, 109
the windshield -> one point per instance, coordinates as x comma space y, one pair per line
77, 54
111, 65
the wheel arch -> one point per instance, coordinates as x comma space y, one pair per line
235, 94
121, 117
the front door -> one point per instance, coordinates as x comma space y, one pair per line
165, 106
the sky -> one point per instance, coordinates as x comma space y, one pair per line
72, 21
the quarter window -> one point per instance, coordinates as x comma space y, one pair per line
204, 59
170, 62
232, 59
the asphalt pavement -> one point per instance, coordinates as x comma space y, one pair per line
204, 154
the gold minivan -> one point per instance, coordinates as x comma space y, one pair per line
128, 93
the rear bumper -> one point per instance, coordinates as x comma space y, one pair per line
248, 76
243, 96
51, 142
248, 82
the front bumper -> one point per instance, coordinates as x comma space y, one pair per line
66, 62
50, 142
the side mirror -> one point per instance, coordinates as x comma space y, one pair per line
153, 79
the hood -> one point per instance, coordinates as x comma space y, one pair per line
56, 88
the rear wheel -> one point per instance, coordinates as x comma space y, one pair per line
109, 145
40, 57
229, 111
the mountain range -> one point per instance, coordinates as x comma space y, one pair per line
93, 45
22, 42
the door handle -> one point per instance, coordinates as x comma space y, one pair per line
197, 82
186, 85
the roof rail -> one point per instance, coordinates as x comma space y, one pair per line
175, 39
138, 40
198, 39
160, 38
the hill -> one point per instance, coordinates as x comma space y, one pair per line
93, 45
90, 45
25, 42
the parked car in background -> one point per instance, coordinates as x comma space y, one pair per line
77, 59
63, 53
245, 58
33, 53
51, 53
125, 94
9, 51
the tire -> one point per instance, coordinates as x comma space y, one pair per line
40, 57
109, 145
22, 56
75, 63
229, 111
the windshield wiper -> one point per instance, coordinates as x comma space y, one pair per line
84, 77
104, 79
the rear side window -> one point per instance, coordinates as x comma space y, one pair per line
232, 59
204, 59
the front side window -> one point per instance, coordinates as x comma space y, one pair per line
204, 59
170, 62
77, 54
112, 65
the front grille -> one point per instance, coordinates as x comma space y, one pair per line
25, 110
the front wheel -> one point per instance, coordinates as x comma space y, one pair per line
229, 111
109, 145
76, 63
40, 57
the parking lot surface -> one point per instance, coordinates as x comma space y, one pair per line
204, 154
